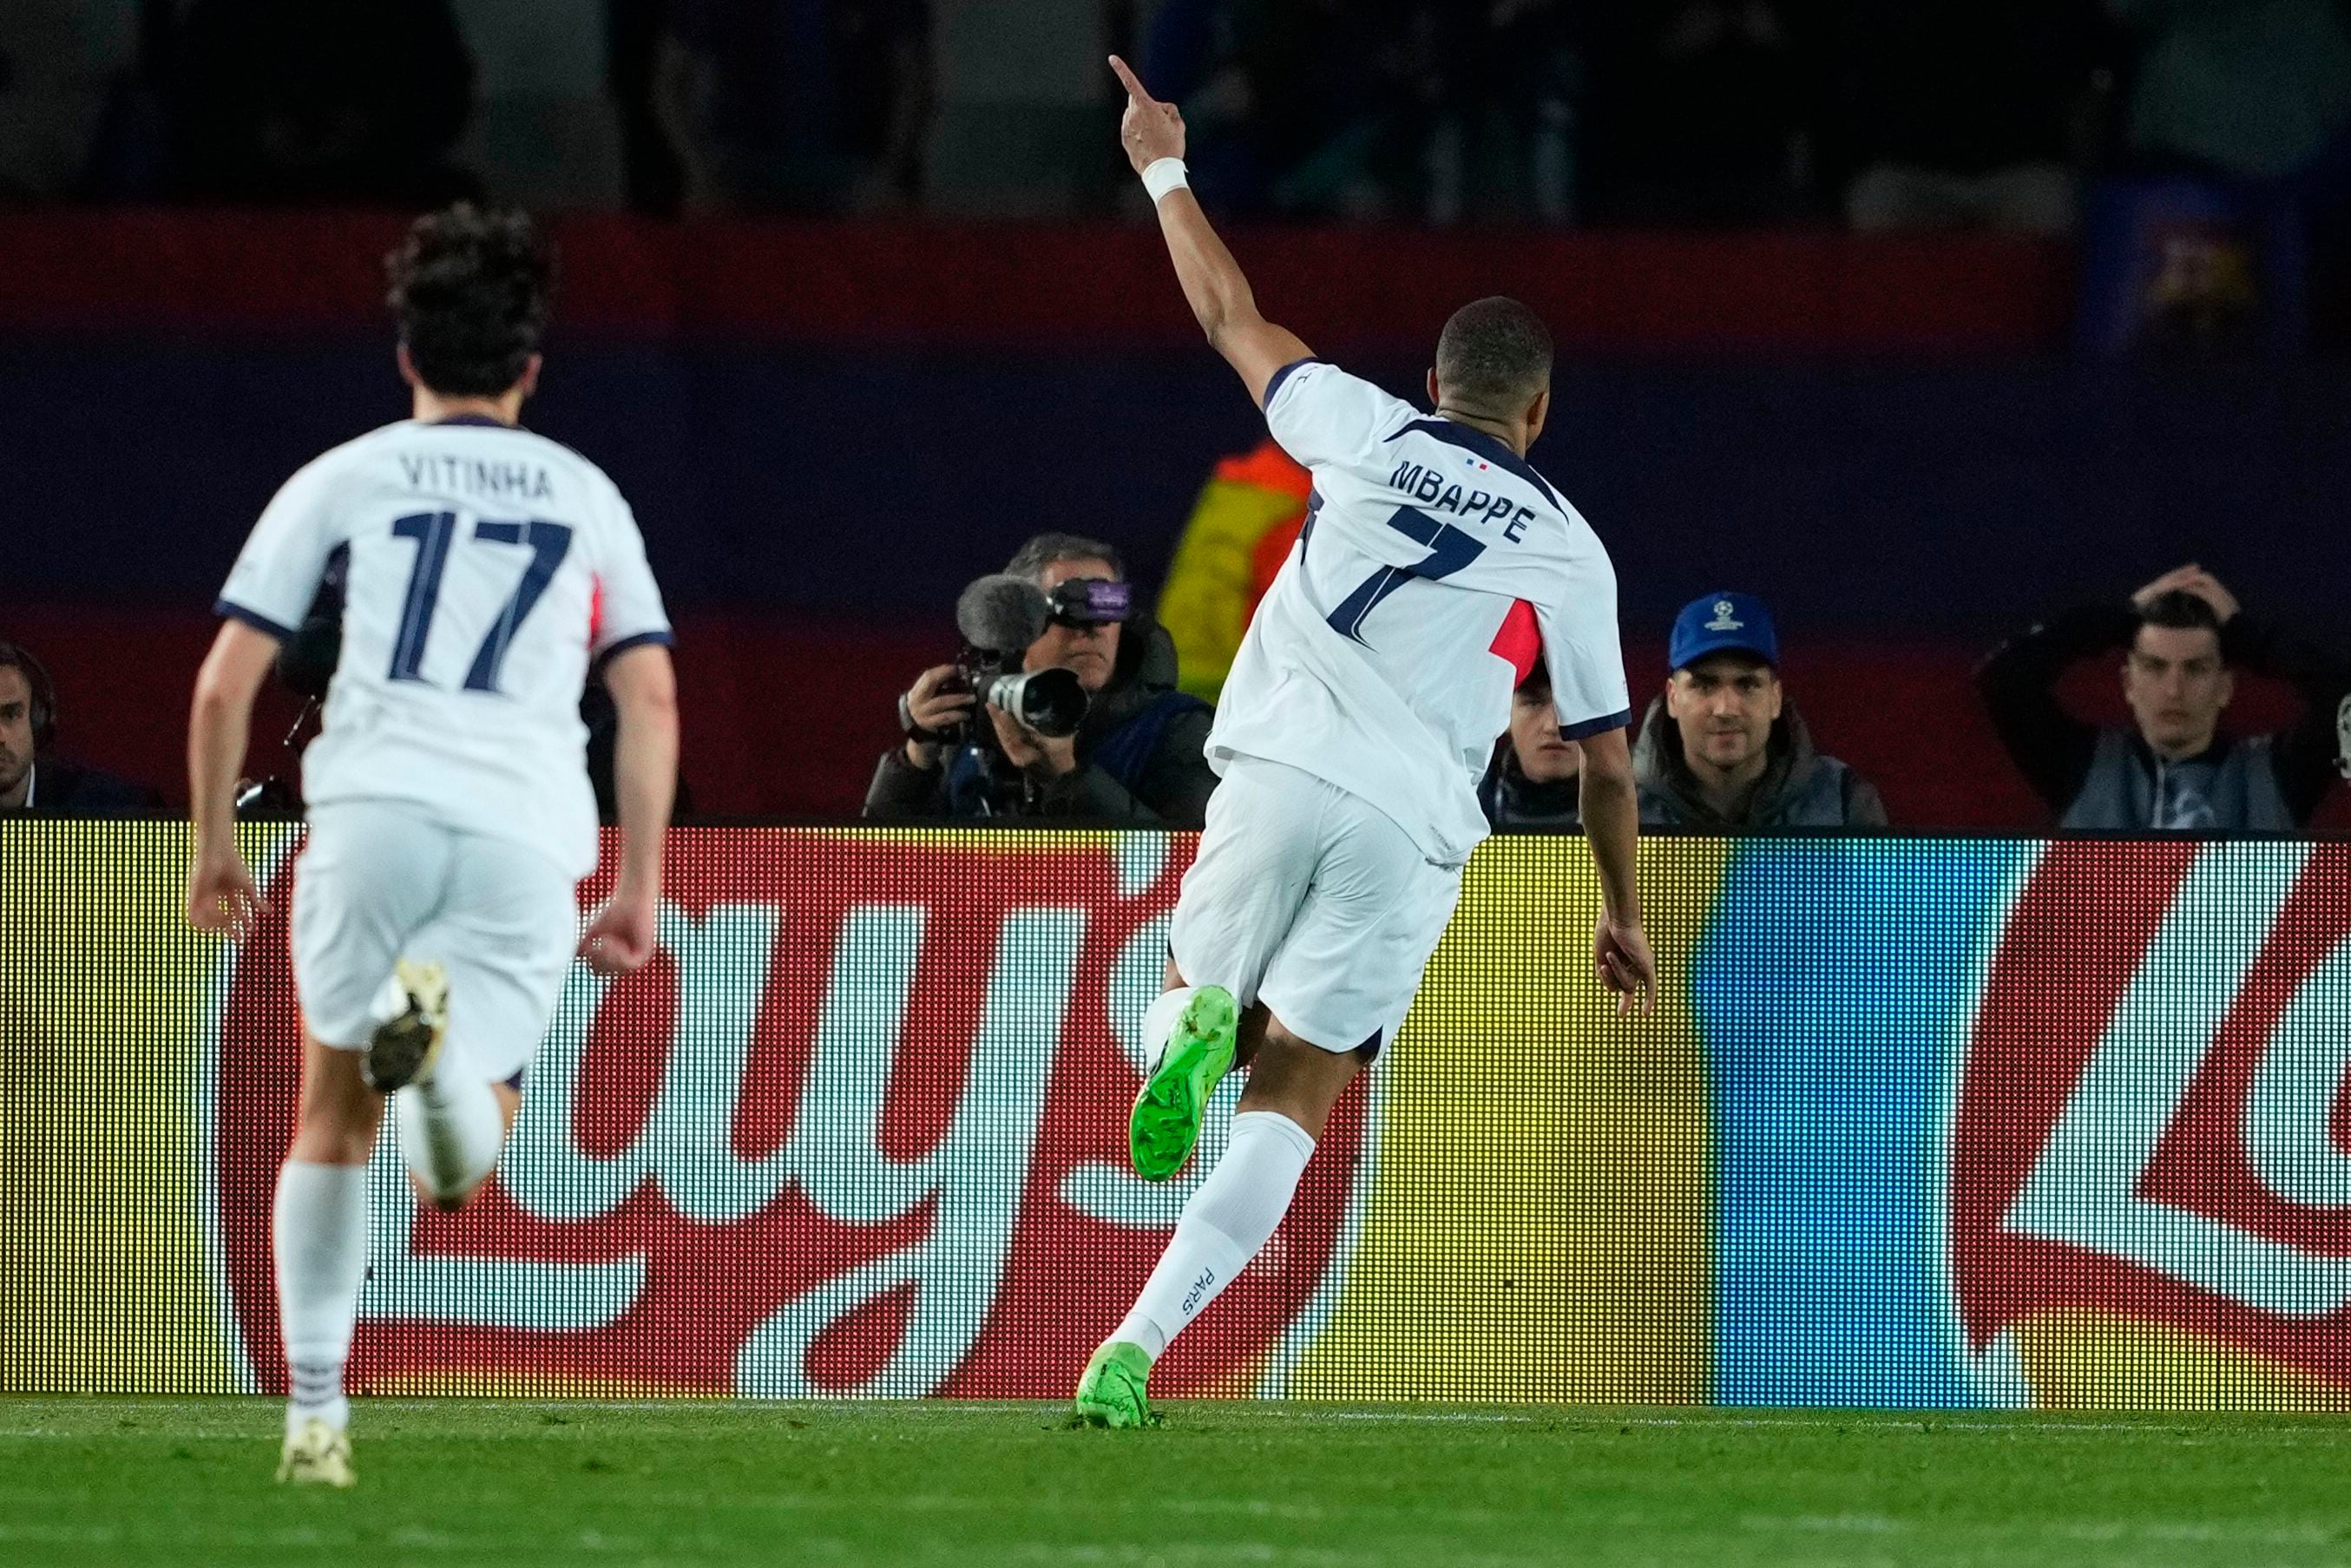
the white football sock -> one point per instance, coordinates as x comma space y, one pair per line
319, 1226
1227, 1222
1159, 1019
450, 1131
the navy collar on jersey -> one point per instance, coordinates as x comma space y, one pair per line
481, 419
1492, 448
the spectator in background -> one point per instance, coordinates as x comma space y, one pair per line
1535, 782
300, 101
1138, 758
32, 781
1965, 113
2172, 767
1723, 750
796, 106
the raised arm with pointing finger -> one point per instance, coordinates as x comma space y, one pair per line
1153, 134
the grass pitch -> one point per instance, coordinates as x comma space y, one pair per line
88, 1482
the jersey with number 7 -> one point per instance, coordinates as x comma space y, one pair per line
487, 566
1434, 564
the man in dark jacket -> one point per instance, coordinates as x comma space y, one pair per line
32, 781
1138, 758
1723, 750
1533, 785
2172, 768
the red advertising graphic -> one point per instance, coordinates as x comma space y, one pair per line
2153, 1124
859, 1128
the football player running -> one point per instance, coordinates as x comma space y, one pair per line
1435, 566
451, 818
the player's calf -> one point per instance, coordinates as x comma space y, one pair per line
318, 1240
450, 1129
451, 1134
1227, 1222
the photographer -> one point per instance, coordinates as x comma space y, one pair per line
1135, 757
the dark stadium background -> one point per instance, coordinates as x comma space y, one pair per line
835, 403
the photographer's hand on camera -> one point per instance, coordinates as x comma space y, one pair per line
1041, 757
1085, 718
931, 712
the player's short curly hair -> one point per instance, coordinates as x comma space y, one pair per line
471, 288
1494, 356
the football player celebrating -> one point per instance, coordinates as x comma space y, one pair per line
1362, 710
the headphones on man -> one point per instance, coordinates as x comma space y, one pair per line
45, 693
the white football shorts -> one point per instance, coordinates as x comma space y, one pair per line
383, 880
1311, 900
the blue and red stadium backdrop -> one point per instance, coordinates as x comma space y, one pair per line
1932, 1123
828, 431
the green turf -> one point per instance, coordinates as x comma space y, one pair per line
493, 1485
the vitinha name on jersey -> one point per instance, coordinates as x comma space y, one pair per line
444, 473
1431, 488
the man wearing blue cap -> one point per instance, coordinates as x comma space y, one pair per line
1723, 750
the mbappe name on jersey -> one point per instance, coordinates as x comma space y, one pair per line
1431, 488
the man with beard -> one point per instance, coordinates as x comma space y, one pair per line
1723, 750
34, 783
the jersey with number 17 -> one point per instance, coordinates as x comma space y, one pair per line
485, 568
1435, 566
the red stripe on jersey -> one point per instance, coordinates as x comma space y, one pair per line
1520, 642
595, 611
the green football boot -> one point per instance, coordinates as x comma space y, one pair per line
1165, 1120
1110, 1392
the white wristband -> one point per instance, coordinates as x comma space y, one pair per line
1162, 175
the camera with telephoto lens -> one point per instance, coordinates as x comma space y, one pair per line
999, 616
1049, 702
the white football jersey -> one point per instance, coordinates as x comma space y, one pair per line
486, 567
1434, 558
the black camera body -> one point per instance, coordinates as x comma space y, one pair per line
1050, 702
999, 616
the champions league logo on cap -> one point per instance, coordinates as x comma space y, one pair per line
1723, 623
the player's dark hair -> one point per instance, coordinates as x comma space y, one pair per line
2180, 610
1494, 356
1031, 559
1538, 680
471, 288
